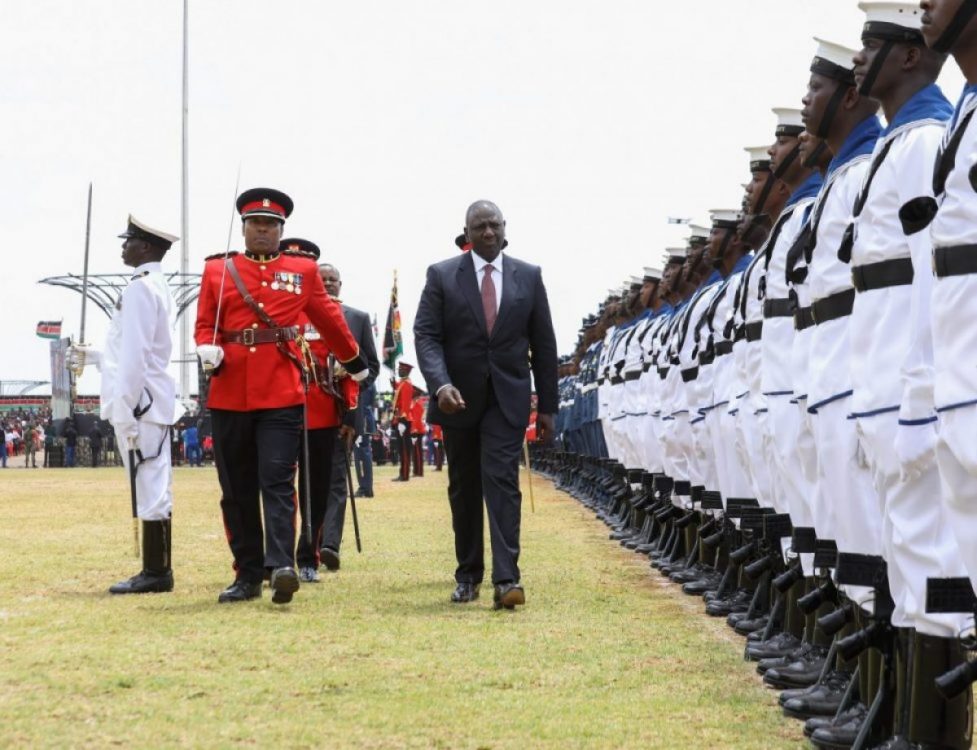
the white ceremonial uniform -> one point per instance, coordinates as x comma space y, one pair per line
891, 351
793, 461
649, 387
695, 382
631, 399
845, 503
954, 309
748, 408
734, 481
604, 392
135, 381
616, 393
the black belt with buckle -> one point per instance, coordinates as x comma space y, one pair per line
955, 260
895, 272
778, 308
723, 348
803, 318
754, 330
832, 307
252, 336
633, 375
691, 374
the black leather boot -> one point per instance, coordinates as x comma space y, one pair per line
935, 721
156, 575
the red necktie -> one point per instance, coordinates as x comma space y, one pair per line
488, 298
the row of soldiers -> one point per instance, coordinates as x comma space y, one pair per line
783, 416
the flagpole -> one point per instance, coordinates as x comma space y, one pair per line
185, 213
84, 272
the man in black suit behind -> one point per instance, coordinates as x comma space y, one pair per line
482, 324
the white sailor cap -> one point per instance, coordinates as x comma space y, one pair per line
895, 21
636, 281
834, 60
759, 158
789, 121
675, 254
652, 273
724, 218
699, 233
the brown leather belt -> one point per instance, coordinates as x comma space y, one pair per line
252, 336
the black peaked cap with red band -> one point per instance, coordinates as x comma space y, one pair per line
264, 202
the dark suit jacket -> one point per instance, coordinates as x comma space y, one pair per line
453, 346
362, 330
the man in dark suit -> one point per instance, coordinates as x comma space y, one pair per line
352, 425
482, 323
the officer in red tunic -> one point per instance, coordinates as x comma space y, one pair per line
248, 337
437, 437
418, 429
402, 402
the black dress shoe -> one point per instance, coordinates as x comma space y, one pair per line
284, 582
144, 583
465, 592
240, 591
508, 595
329, 558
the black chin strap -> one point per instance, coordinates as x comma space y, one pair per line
955, 28
824, 127
873, 72
814, 158
717, 262
782, 168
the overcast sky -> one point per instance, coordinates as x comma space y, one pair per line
589, 123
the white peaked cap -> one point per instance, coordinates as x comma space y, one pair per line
909, 15
652, 272
699, 231
676, 252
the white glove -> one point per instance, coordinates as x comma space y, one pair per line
401, 428
80, 355
128, 433
211, 356
361, 375
916, 448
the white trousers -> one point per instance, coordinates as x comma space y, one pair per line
154, 476
917, 541
751, 454
956, 455
789, 441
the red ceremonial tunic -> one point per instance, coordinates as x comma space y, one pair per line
323, 410
436, 433
261, 376
417, 426
403, 399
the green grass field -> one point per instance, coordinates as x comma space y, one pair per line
604, 655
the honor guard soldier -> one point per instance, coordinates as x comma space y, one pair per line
326, 400
403, 401
138, 396
952, 28
247, 336
352, 425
